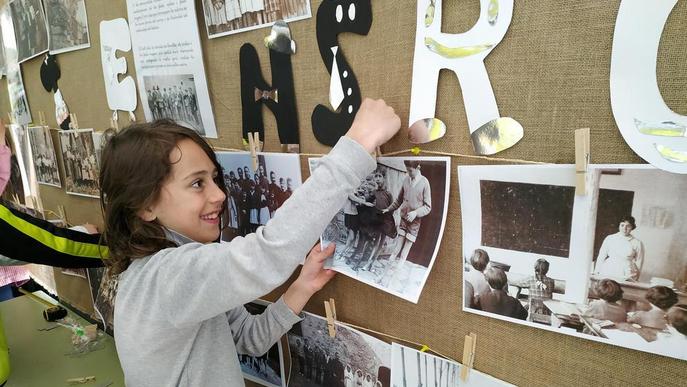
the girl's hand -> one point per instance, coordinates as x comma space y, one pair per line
312, 278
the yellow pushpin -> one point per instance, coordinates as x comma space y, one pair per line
415, 150
424, 347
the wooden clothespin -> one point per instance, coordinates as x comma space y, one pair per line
253, 145
63, 214
10, 119
41, 118
582, 157
330, 310
83, 380
73, 122
113, 124
378, 152
468, 355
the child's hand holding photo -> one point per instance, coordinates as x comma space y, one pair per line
312, 278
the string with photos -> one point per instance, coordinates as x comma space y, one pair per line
415, 151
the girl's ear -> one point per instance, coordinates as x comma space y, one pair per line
146, 214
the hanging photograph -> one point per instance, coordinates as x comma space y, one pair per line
410, 367
268, 369
44, 157
80, 162
225, 17
3, 63
388, 233
254, 196
67, 25
174, 97
15, 85
103, 289
30, 28
21, 144
607, 266
351, 358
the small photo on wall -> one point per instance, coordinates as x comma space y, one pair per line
44, 157
387, 235
67, 25
30, 28
351, 358
80, 162
411, 367
268, 369
607, 266
174, 97
226, 17
253, 196
103, 290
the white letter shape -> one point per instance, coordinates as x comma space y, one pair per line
463, 54
650, 128
114, 35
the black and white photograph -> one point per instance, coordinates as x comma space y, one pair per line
174, 97
15, 84
225, 17
607, 266
21, 143
3, 62
388, 233
44, 157
67, 25
103, 290
410, 367
30, 28
80, 162
349, 359
268, 369
254, 196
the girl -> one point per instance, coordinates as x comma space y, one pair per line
179, 318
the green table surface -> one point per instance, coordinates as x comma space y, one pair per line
40, 358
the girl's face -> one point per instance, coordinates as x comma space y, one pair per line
190, 202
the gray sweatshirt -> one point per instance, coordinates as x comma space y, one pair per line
179, 317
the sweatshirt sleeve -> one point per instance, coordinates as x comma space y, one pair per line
4, 167
210, 279
255, 334
426, 206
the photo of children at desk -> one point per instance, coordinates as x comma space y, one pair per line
607, 266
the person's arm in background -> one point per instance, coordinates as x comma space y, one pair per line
5, 155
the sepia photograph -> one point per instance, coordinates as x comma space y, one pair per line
80, 163
103, 290
254, 196
607, 266
174, 97
351, 358
225, 17
268, 369
30, 28
44, 157
410, 367
388, 233
15, 84
67, 25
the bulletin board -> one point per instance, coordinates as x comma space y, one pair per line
550, 72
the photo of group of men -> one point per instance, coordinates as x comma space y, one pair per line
253, 196
44, 158
80, 163
174, 97
351, 359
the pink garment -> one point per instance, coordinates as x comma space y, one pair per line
12, 274
5, 155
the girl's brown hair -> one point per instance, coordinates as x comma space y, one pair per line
134, 165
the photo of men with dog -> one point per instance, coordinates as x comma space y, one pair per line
81, 169
388, 233
174, 97
253, 196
